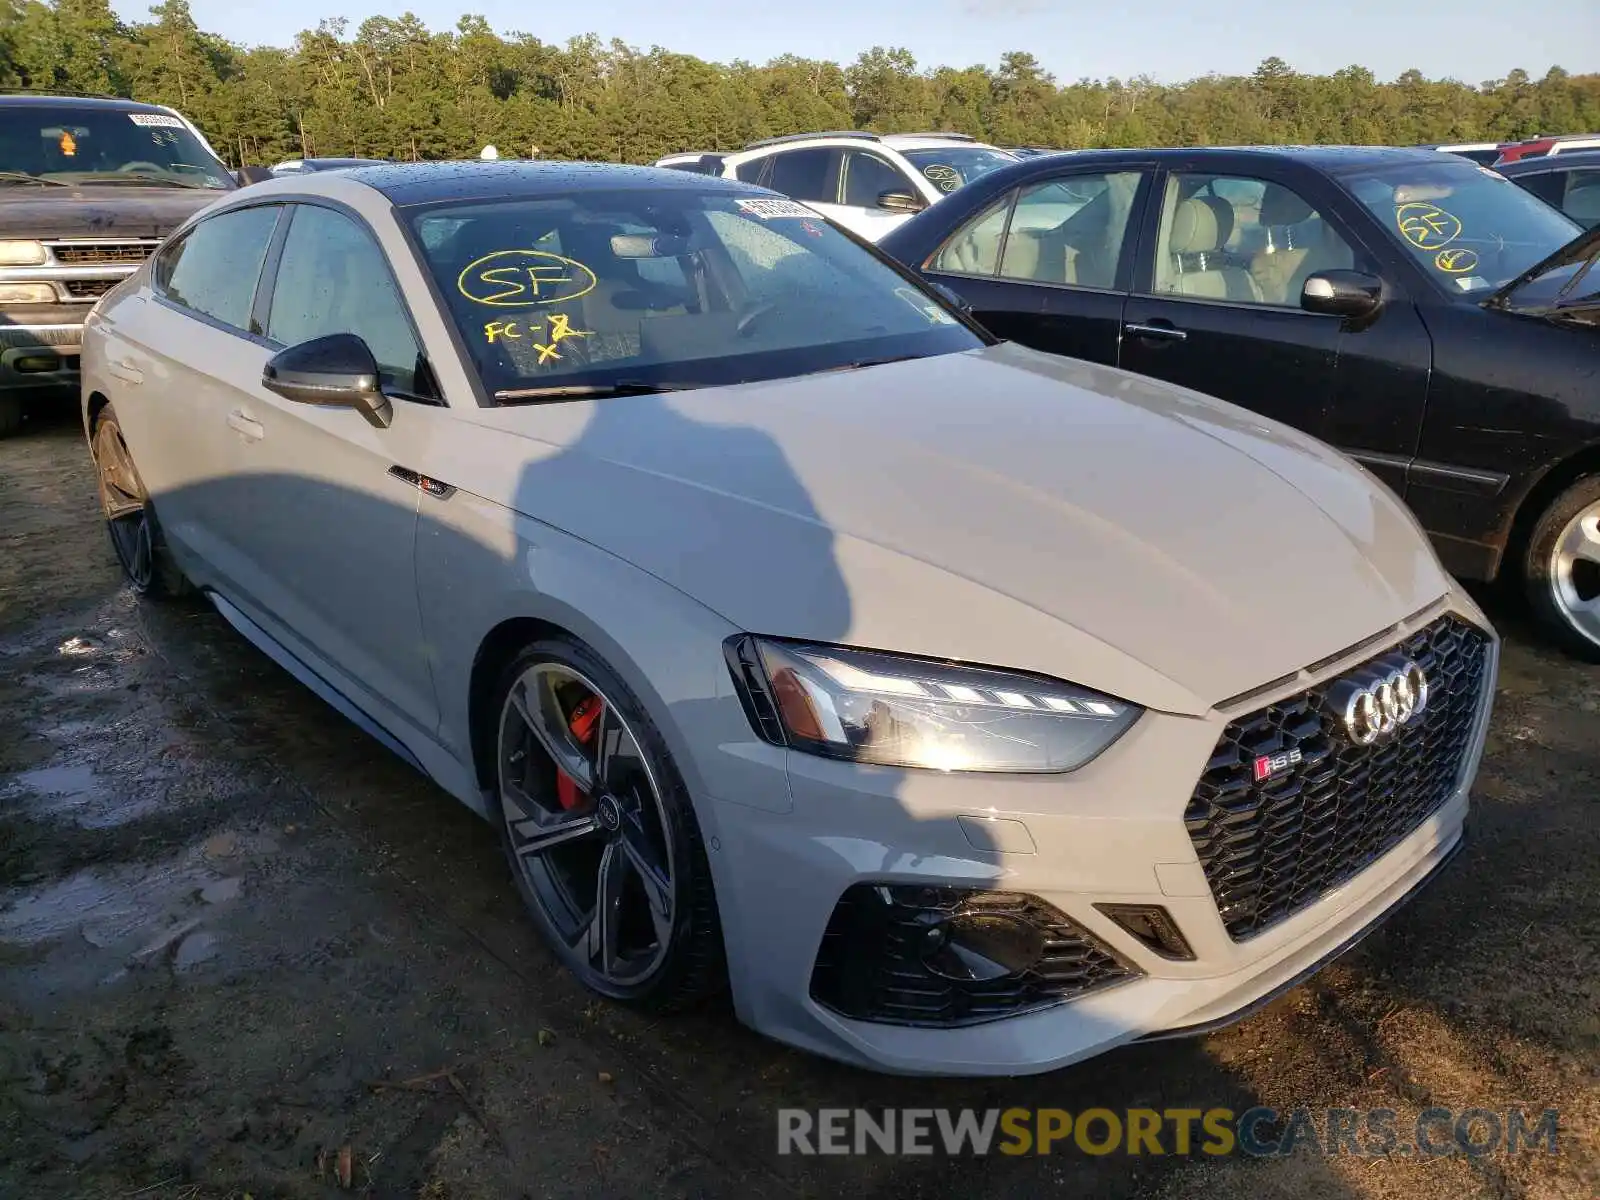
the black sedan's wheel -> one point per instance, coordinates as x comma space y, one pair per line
1563, 569
130, 518
600, 832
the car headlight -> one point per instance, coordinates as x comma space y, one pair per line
910, 712
27, 293
21, 254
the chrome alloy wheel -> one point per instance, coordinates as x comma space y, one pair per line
123, 499
586, 824
1574, 573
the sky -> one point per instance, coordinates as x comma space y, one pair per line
1171, 40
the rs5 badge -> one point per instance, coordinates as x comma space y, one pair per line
1269, 765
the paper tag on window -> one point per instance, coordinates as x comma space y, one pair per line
155, 120
768, 209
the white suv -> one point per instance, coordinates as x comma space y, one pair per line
867, 182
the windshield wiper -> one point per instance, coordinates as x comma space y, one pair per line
869, 362
120, 177
24, 177
587, 391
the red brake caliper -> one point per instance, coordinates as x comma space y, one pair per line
581, 723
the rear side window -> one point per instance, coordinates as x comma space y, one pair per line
804, 174
213, 269
750, 172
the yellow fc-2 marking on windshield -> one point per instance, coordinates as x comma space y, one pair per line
1427, 226
515, 331
524, 278
1457, 260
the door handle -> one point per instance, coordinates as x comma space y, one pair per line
251, 429
1160, 332
124, 370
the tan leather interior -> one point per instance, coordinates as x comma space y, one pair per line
1039, 254
1193, 264
1300, 244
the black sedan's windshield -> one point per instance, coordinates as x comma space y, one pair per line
1472, 229
93, 144
597, 292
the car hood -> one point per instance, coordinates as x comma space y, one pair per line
136, 212
997, 506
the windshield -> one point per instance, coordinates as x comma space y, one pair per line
950, 167
104, 145
667, 288
1471, 229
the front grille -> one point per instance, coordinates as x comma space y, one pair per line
89, 289
1273, 848
888, 954
93, 254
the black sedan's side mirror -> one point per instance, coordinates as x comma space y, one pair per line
336, 371
1350, 294
245, 176
896, 201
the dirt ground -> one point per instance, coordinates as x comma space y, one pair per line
227, 917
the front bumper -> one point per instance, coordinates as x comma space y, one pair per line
1110, 833
39, 347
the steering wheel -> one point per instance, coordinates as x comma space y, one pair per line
750, 316
141, 167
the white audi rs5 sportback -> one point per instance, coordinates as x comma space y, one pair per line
966, 710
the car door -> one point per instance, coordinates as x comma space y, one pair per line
811, 174
181, 354
1216, 306
1049, 264
320, 506
863, 178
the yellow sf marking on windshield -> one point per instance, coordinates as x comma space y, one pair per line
1427, 226
561, 327
523, 278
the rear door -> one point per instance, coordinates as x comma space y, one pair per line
1049, 264
186, 350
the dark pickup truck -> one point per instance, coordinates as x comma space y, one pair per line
88, 189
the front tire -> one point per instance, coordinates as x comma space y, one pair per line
1562, 569
600, 832
136, 538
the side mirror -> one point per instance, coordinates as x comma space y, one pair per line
906, 202
336, 371
245, 176
1350, 294
950, 296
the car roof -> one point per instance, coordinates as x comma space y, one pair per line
42, 100
425, 183
1539, 163
1332, 159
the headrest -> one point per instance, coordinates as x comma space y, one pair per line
1197, 226
1280, 206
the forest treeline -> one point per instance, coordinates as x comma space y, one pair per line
393, 88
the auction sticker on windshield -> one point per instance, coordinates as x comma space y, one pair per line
768, 209
155, 120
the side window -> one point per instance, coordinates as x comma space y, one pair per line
804, 174
333, 278
866, 177
1240, 239
1582, 199
750, 172
1549, 186
1071, 230
975, 248
213, 269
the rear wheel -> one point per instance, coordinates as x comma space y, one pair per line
1562, 570
600, 832
10, 414
130, 518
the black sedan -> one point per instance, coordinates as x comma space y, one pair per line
1432, 320
1569, 181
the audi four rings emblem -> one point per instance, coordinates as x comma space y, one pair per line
1377, 703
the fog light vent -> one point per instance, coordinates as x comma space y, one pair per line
916, 955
